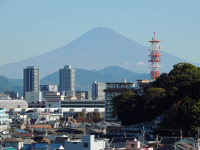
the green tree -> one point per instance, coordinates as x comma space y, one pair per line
154, 94
119, 102
81, 116
175, 95
94, 117
182, 106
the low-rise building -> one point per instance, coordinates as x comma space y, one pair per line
46, 88
83, 95
53, 99
9, 104
13, 142
12, 94
33, 97
143, 83
88, 142
4, 96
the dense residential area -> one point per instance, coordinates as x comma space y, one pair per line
115, 115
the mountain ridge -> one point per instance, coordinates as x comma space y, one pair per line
96, 49
85, 78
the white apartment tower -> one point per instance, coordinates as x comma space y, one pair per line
98, 91
67, 81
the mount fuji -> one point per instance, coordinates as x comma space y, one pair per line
97, 49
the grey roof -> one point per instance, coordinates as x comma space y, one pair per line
107, 124
28, 141
13, 104
166, 147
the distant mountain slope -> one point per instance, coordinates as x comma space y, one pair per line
96, 49
118, 73
84, 78
10, 84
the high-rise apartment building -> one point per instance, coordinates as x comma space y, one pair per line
98, 91
31, 79
67, 81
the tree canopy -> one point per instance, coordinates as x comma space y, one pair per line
175, 95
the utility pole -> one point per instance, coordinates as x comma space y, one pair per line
125, 134
157, 141
181, 134
143, 135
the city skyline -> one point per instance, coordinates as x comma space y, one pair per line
31, 28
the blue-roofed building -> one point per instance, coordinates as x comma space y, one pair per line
12, 142
43, 146
22, 131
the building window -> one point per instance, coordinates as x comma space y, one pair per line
85, 145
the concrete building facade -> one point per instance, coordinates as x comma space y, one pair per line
67, 80
98, 91
33, 97
83, 95
46, 88
31, 79
53, 99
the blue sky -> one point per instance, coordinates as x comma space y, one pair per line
31, 27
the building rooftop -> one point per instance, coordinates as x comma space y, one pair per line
13, 104
32, 67
11, 140
41, 126
120, 83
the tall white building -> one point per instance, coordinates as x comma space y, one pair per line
31, 80
67, 80
98, 91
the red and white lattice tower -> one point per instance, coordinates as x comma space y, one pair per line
154, 58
